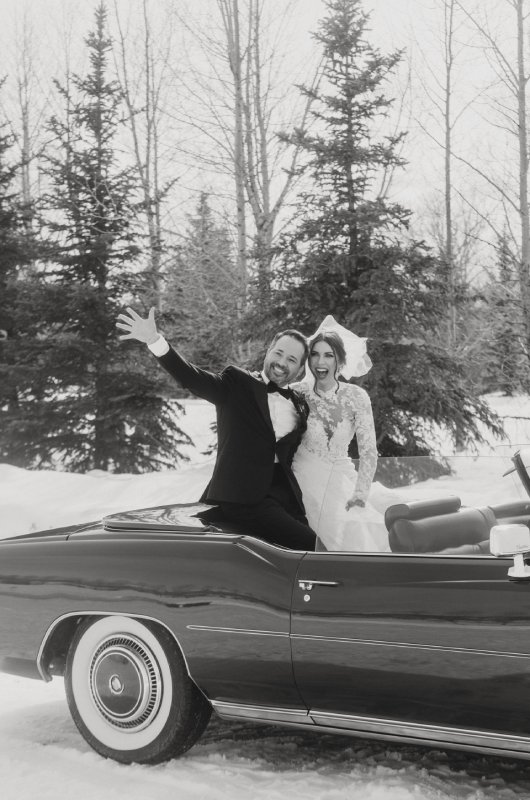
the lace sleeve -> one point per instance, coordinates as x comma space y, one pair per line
365, 433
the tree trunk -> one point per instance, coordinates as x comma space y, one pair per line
230, 15
449, 255
524, 274
146, 151
25, 72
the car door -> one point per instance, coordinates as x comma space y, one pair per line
443, 640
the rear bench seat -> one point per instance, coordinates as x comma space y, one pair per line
432, 526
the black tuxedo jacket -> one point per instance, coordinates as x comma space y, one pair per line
246, 443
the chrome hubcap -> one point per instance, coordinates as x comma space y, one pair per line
125, 682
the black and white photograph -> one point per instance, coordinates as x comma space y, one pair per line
265, 399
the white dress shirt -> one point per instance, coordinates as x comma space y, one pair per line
284, 416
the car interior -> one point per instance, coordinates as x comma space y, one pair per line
445, 526
441, 526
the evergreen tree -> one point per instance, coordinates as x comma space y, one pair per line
505, 360
18, 287
200, 300
94, 403
350, 253
13, 252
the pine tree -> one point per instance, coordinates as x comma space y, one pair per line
14, 256
94, 403
505, 360
18, 248
350, 253
12, 250
200, 301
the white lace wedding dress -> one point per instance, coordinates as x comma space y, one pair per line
327, 476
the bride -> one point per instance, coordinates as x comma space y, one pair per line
335, 495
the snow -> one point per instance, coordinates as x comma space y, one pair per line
43, 755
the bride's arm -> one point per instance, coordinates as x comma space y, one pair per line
366, 443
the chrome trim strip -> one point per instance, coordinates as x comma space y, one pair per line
247, 631
433, 647
381, 728
85, 613
346, 640
243, 546
433, 733
268, 713
391, 554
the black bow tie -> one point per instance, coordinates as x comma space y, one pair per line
273, 387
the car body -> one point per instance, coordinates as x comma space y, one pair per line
156, 616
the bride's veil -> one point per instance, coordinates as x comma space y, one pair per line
358, 362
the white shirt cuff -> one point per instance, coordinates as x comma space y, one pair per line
159, 347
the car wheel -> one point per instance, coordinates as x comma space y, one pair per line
129, 692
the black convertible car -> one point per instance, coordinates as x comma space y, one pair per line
155, 617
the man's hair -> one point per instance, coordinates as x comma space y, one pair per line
294, 334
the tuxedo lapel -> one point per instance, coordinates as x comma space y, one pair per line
260, 392
302, 409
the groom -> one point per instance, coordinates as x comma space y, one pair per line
259, 425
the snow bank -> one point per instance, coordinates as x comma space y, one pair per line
37, 500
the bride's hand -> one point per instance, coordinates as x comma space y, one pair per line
353, 502
136, 327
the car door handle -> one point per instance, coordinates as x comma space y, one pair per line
308, 585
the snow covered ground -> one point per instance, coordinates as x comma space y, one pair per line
42, 754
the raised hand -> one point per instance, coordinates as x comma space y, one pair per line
137, 327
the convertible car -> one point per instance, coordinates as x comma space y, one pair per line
158, 616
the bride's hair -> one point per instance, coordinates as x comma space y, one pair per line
332, 339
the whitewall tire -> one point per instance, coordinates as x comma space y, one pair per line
129, 692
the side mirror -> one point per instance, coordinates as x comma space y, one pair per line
512, 540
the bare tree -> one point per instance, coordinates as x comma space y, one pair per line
510, 105
25, 74
448, 99
143, 72
244, 102
29, 97
522, 129
230, 15
449, 9
260, 155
